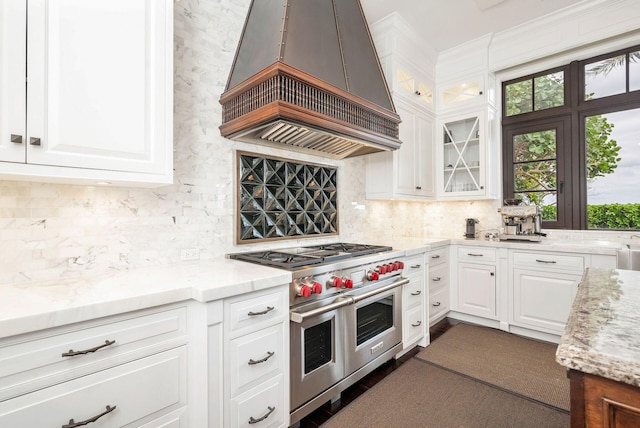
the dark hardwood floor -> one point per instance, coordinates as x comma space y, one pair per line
325, 412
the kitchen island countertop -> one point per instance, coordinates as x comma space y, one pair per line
602, 336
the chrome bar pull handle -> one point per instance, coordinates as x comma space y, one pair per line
34, 141
474, 255
16, 138
73, 424
255, 421
546, 261
253, 362
73, 353
266, 311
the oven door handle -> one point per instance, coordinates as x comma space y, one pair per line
340, 302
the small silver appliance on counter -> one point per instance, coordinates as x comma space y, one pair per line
521, 223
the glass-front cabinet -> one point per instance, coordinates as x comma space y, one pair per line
462, 150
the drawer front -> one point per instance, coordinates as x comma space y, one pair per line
414, 264
34, 364
476, 254
255, 357
414, 325
138, 392
438, 276
413, 292
255, 311
262, 406
438, 256
549, 261
438, 303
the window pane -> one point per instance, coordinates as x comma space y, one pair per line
535, 146
535, 176
613, 170
548, 91
606, 77
634, 71
519, 97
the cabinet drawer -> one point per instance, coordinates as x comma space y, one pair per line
262, 406
27, 365
139, 392
438, 256
413, 293
549, 261
438, 303
247, 314
255, 357
476, 254
438, 276
414, 264
414, 327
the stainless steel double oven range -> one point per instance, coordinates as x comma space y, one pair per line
345, 315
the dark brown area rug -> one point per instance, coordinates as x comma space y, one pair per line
420, 394
514, 363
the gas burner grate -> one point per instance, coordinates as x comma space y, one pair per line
278, 259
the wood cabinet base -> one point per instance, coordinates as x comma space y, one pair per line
601, 402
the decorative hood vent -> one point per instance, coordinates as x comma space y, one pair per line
306, 75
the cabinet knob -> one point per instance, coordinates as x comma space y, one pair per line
16, 139
418, 188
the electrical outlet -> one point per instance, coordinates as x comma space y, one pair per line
189, 254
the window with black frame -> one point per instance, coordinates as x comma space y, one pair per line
571, 142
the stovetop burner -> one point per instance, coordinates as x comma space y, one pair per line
294, 258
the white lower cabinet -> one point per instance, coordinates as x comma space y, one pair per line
125, 371
127, 395
438, 285
477, 290
256, 359
476, 282
543, 288
413, 295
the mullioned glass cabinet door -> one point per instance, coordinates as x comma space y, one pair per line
462, 156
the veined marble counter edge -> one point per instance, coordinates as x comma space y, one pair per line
38, 305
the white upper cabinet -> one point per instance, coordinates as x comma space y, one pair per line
97, 91
405, 173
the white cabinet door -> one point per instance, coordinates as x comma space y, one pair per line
97, 94
406, 172
13, 41
477, 290
542, 300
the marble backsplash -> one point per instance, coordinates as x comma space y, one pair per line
49, 231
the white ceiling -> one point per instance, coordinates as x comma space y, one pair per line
444, 24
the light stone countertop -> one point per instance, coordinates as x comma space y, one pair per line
36, 305
602, 336
32, 306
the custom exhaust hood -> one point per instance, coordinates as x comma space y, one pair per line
306, 75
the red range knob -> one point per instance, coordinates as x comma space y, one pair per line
395, 266
373, 275
400, 265
304, 291
348, 283
382, 269
335, 281
316, 288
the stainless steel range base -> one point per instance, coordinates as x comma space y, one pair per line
336, 389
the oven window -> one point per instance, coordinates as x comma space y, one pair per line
374, 319
318, 346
